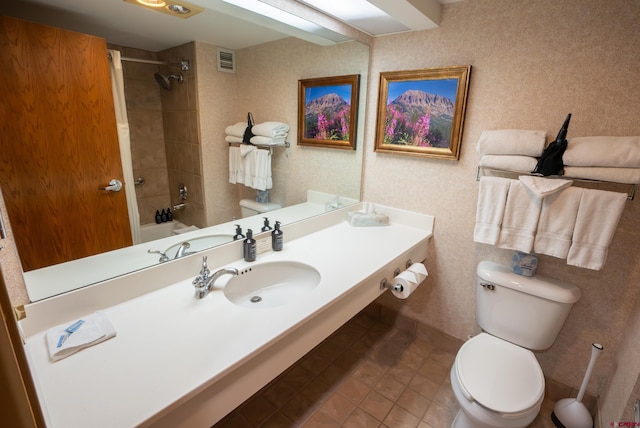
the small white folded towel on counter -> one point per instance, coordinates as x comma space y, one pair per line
596, 222
270, 129
69, 338
521, 214
557, 221
512, 142
614, 152
232, 139
509, 162
492, 197
542, 187
236, 130
615, 175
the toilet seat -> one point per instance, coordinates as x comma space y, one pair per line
499, 375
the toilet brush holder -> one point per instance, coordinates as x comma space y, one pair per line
570, 412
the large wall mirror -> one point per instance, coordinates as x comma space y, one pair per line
178, 135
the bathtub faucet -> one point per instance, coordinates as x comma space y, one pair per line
204, 281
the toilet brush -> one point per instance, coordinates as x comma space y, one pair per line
570, 412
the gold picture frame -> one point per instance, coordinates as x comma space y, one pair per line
421, 112
328, 111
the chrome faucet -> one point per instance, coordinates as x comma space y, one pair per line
204, 281
182, 250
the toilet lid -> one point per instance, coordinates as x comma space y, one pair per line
499, 375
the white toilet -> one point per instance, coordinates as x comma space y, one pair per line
250, 207
495, 378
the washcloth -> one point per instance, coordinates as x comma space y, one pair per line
261, 179
232, 139
235, 165
616, 152
597, 220
512, 142
557, 221
509, 163
492, 196
521, 214
236, 130
270, 129
260, 140
615, 175
245, 149
69, 338
542, 187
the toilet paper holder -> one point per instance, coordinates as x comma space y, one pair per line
393, 287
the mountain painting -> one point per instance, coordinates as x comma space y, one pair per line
420, 113
327, 112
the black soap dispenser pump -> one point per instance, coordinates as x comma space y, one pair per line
238, 234
249, 247
277, 240
266, 226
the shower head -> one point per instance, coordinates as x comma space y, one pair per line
165, 81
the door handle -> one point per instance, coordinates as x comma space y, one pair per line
114, 186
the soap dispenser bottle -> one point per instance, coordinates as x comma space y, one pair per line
277, 238
158, 217
249, 247
266, 226
169, 215
238, 234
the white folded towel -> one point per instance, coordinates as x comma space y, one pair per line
492, 196
615, 175
261, 178
270, 129
260, 140
557, 221
509, 162
617, 152
512, 142
67, 339
596, 222
542, 187
232, 139
235, 166
521, 214
236, 130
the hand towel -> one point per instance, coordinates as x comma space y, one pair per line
69, 338
260, 140
232, 139
615, 175
557, 221
262, 179
597, 220
270, 129
521, 214
236, 130
492, 196
234, 165
509, 163
542, 187
512, 142
616, 152
245, 149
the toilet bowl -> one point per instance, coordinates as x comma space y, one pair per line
249, 207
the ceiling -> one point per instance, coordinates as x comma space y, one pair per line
222, 24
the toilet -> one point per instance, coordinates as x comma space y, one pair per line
495, 378
250, 207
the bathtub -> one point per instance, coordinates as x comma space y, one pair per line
153, 231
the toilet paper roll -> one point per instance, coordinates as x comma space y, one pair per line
419, 270
408, 281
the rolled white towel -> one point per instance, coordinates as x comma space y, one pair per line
512, 142
236, 130
509, 163
617, 152
232, 139
270, 129
615, 175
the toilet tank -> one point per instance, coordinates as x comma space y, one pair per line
527, 311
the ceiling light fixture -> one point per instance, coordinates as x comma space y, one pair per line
177, 8
152, 3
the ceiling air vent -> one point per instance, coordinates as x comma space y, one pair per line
226, 60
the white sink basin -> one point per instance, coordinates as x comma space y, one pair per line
198, 244
270, 284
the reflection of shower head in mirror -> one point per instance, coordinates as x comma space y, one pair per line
165, 81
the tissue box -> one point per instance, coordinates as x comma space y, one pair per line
524, 264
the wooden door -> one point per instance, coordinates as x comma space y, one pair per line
59, 144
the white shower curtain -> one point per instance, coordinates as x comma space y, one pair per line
117, 83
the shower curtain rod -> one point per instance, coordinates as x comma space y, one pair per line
184, 64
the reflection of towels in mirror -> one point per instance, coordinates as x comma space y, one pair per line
262, 170
270, 129
234, 164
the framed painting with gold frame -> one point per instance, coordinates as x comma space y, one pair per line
327, 111
421, 112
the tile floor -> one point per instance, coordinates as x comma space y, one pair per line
378, 370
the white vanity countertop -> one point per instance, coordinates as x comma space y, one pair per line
170, 346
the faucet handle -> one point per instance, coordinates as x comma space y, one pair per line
204, 271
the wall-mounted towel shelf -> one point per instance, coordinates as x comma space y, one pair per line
631, 188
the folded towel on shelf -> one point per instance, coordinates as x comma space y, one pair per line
235, 165
521, 214
616, 152
236, 130
261, 173
616, 175
270, 129
557, 221
260, 140
542, 187
232, 139
67, 339
596, 222
509, 163
512, 142
492, 196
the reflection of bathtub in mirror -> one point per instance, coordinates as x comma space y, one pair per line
65, 277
